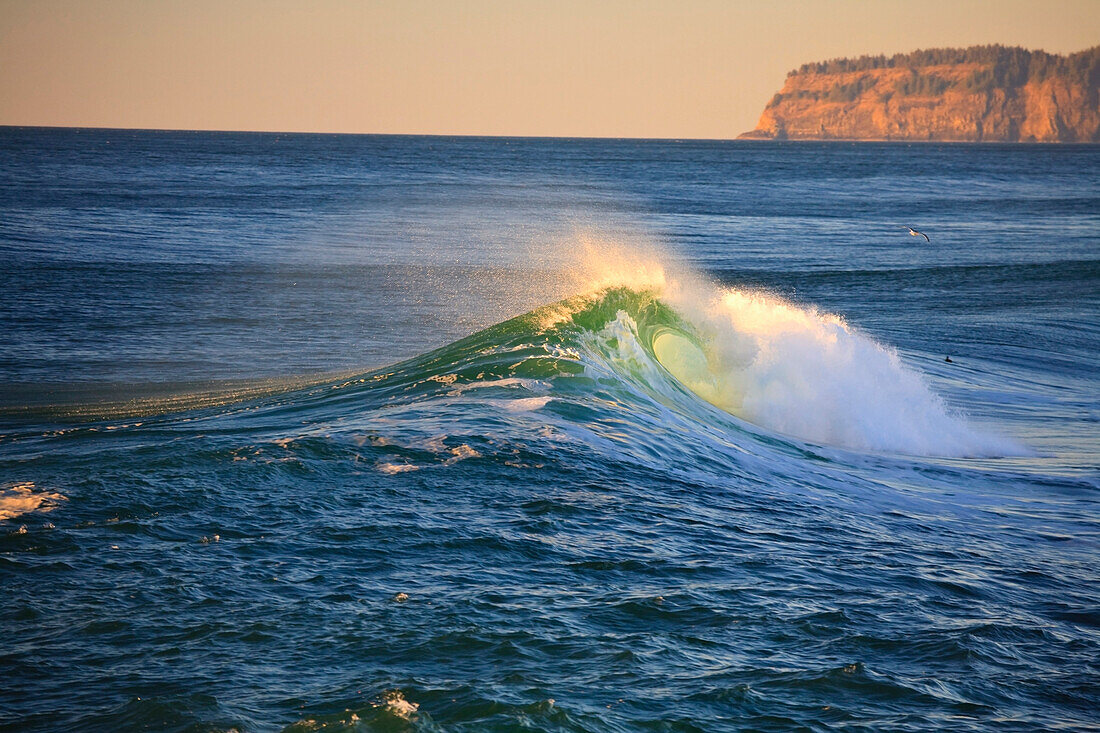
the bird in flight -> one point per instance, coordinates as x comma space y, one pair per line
914, 233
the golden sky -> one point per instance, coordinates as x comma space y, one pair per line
618, 68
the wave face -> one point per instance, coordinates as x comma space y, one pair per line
676, 338
791, 370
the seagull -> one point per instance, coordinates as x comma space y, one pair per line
914, 233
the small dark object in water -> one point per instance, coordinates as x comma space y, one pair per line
914, 233
948, 360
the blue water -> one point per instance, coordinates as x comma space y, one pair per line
313, 432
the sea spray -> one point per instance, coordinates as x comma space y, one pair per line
786, 367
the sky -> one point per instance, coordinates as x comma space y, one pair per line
585, 68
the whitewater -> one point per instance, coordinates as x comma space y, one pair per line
788, 368
388, 433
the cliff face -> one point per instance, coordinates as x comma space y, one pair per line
949, 102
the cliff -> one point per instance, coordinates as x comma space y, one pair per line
979, 94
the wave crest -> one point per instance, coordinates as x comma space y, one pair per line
785, 367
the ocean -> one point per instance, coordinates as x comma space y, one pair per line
386, 433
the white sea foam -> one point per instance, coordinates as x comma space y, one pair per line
23, 498
788, 367
459, 453
531, 385
522, 404
392, 468
395, 703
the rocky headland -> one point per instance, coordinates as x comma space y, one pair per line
977, 94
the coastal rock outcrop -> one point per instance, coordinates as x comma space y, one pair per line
979, 94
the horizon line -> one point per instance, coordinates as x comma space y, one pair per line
363, 134
746, 140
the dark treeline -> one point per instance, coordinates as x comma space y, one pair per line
1005, 67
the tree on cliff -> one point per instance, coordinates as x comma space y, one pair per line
1004, 67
